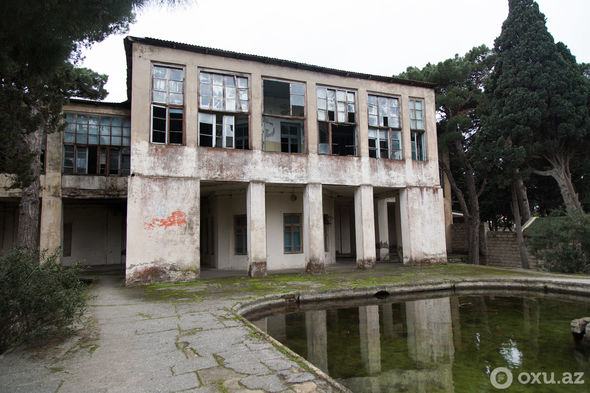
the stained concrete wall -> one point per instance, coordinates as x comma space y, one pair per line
162, 229
278, 204
423, 225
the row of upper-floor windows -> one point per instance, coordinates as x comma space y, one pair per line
224, 107
96, 144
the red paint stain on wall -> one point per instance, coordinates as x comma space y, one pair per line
177, 218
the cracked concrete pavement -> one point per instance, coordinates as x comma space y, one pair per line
131, 344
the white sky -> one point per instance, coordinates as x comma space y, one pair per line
370, 36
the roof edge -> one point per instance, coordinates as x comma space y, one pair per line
129, 40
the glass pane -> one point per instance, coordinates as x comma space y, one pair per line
372, 120
217, 80
204, 77
175, 99
70, 118
126, 131
159, 72
243, 83
350, 97
93, 130
322, 103
341, 117
93, 120
159, 97
340, 95
217, 91
160, 84
205, 102
351, 108
126, 141
81, 160
230, 104
117, 121
230, 92
218, 103
243, 94
176, 74
116, 131
116, 141
296, 239
125, 161
372, 100
114, 162
69, 137
372, 110
230, 81
175, 87
321, 115
297, 88
297, 100
82, 119
244, 104
93, 139
321, 91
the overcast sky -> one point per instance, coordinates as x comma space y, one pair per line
370, 36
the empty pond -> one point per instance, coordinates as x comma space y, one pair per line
439, 344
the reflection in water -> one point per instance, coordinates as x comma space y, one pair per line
447, 344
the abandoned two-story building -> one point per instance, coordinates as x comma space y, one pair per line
233, 161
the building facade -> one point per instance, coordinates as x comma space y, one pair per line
241, 162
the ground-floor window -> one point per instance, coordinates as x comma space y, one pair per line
241, 234
292, 233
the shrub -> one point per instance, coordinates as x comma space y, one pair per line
562, 243
37, 299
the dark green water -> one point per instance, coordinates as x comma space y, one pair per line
443, 344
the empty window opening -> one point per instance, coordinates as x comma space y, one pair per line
167, 117
292, 233
284, 98
338, 140
284, 114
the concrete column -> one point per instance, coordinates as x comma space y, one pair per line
256, 217
313, 228
370, 338
422, 225
51, 228
317, 338
163, 229
383, 224
364, 222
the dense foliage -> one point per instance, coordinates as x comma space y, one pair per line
562, 243
37, 299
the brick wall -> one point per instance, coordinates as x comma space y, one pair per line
503, 250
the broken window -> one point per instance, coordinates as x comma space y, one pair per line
220, 97
284, 116
96, 145
416, 114
384, 127
167, 112
336, 121
417, 127
292, 233
418, 146
241, 234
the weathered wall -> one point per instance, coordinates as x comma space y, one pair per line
226, 208
423, 225
278, 204
163, 229
97, 232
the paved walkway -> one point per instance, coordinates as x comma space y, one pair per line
136, 345
172, 340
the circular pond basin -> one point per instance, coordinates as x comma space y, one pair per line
448, 342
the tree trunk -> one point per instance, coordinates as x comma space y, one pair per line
29, 205
524, 260
523, 199
473, 239
561, 173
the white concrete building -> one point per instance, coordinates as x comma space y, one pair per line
244, 162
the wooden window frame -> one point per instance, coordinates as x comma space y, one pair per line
167, 106
300, 226
330, 123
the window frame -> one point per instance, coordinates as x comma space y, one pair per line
287, 119
389, 129
209, 110
291, 225
330, 123
417, 133
418, 155
243, 230
167, 106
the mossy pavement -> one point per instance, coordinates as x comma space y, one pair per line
185, 337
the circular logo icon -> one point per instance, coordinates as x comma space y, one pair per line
501, 378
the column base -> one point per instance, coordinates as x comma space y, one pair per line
156, 273
364, 264
257, 269
314, 266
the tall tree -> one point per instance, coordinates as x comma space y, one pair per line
41, 39
459, 100
539, 97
